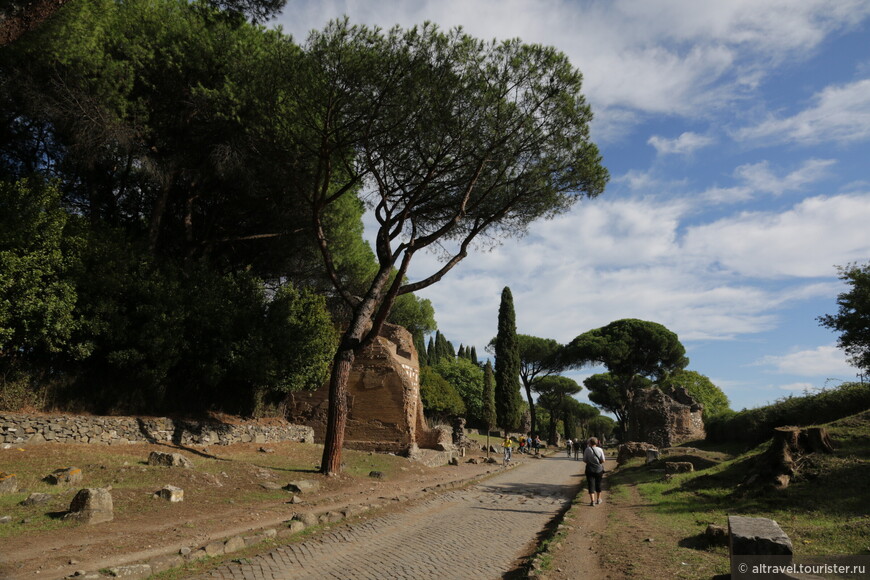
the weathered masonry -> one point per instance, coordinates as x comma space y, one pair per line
385, 411
19, 428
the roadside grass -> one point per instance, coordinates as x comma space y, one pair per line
219, 476
825, 510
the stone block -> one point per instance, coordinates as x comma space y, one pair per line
652, 455
91, 506
131, 572
214, 548
301, 486
66, 475
8, 482
169, 460
234, 544
678, 467
295, 526
171, 493
757, 537
36, 499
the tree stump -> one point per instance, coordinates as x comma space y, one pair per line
816, 440
779, 464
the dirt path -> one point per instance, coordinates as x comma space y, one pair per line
578, 554
481, 532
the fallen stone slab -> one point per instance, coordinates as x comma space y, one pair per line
66, 475
8, 482
36, 499
162, 459
757, 537
131, 572
91, 506
678, 467
301, 486
307, 518
171, 493
234, 544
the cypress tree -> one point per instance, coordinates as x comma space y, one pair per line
507, 366
461, 352
489, 415
472, 355
440, 347
451, 352
421, 350
431, 355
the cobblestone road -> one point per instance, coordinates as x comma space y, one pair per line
477, 532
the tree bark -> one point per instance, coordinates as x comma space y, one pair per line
330, 463
532, 410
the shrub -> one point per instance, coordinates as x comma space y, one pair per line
753, 426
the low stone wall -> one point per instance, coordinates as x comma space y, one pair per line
19, 429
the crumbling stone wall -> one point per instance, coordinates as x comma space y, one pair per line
385, 411
666, 420
19, 428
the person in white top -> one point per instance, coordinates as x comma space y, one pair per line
593, 456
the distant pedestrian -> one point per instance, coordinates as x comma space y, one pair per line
568, 443
577, 449
507, 445
594, 458
537, 444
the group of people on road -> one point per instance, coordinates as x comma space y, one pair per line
592, 455
523, 443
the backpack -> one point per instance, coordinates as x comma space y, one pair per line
595, 466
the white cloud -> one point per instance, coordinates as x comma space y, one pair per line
605, 261
822, 361
840, 114
759, 178
674, 57
685, 144
805, 241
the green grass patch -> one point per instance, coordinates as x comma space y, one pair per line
825, 510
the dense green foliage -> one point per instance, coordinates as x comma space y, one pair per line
467, 379
701, 388
151, 260
555, 396
507, 365
37, 297
752, 426
441, 400
852, 319
635, 353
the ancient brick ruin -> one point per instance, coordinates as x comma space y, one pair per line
666, 420
385, 411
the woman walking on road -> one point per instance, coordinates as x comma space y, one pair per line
593, 455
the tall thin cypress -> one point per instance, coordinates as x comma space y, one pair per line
419, 345
507, 366
431, 355
489, 414
472, 355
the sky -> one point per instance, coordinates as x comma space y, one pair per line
737, 136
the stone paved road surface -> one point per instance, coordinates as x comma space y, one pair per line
474, 533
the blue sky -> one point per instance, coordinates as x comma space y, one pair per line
737, 135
